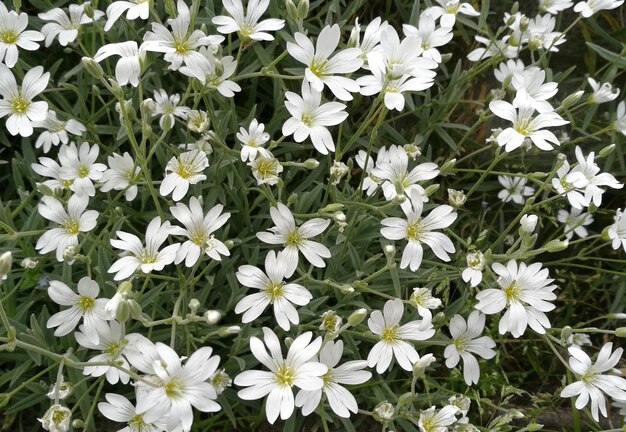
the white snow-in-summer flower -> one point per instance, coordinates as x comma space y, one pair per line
85, 305
554, 6
253, 141
65, 26
183, 171
590, 7
473, 273
247, 24
310, 118
592, 382
56, 419
430, 35
56, 131
575, 222
214, 73
79, 167
620, 121
532, 81
123, 173
339, 398
167, 108
466, 340
128, 67
447, 10
617, 231
393, 337
273, 290
17, 102
266, 170
296, 238
602, 93
424, 301
515, 189
134, 9
299, 369
120, 409
12, 35
525, 292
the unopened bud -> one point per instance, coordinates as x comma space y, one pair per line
170, 8
116, 89
78, 424
572, 99
229, 331
565, 333
288, 341
347, 289
523, 24
135, 309
390, 251
606, 151
532, 427
419, 368
311, 164
357, 317
44, 189
446, 57
431, 189
456, 198
331, 208
88, 9
6, 259
528, 223
399, 199
292, 11
620, 332
194, 304
616, 316
447, 167
92, 67
212, 317
340, 216
303, 9
556, 245
384, 412
439, 318
515, 8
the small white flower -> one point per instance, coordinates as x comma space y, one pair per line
371, 37
266, 170
432, 420
532, 81
526, 293
555, 6
467, 340
430, 36
57, 417
273, 291
122, 174
17, 102
417, 230
128, 67
146, 258
72, 221
167, 107
602, 92
393, 337
322, 67
575, 222
492, 48
253, 141
247, 24
590, 7
134, 9
424, 301
506, 70
473, 273
593, 382
214, 73
120, 409
367, 164
299, 370
448, 10
85, 305
111, 343
183, 171
56, 131
617, 231
65, 26
79, 167
197, 121
12, 36
310, 117
515, 189
578, 340
296, 239
199, 230
339, 398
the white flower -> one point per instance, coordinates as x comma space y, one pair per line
554, 6
295, 238
366, 162
617, 231
178, 387
134, 9
525, 125
506, 70
575, 222
492, 48
371, 37
620, 121
531, 80
578, 340
182, 171
128, 67
56, 131
432, 420
266, 169
56, 418
466, 340
515, 189
12, 35
247, 24
167, 108
393, 337
321, 67
417, 230
65, 26
50, 168
111, 343
253, 141
602, 92
540, 33
180, 45
17, 102
72, 221
592, 381
273, 291
79, 167
448, 10
528, 223
299, 369
339, 398
424, 301
122, 174
214, 73
392, 170
526, 293
85, 305
138, 256
310, 118
120, 409
199, 230
430, 36
473, 273
590, 7
197, 121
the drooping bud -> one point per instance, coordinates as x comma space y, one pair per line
92, 67
357, 317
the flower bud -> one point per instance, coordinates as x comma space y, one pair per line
92, 67
331, 208
6, 259
228, 331
532, 427
384, 412
446, 57
117, 90
56, 419
303, 9
212, 317
447, 167
288, 341
556, 245
419, 367
399, 199
88, 9
606, 151
616, 316
134, 308
572, 99
528, 223
170, 8
620, 332
431, 189
390, 251
357, 317
194, 304
565, 333
311, 164
456, 198
347, 289
292, 11
439, 318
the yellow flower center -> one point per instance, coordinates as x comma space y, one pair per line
183, 170
266, 168
414, 231
59, 416
83, 171
67, 183
275, 290
71, 226
136, 422
306, 119
284, 376
390, 334
19, 105
293, 238
8, 37
512, 292
327, 377
174, 388
85, 303
318, 67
